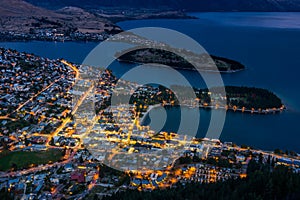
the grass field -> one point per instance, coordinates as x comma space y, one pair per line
24, 159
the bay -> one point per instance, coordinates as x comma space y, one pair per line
268, 44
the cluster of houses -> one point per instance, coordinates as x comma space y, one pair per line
50, 34
63, 180
203, 170
34, 98
37, 99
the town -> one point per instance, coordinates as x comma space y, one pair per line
53, 35
62, 138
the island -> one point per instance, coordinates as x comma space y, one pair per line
159, 56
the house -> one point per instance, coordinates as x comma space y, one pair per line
136, 181
78, 176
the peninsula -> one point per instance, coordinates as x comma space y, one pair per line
237, 99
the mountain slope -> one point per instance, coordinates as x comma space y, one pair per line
190, 5
22, 17
19, 8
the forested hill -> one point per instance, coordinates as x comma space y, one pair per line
190, 5
261, 184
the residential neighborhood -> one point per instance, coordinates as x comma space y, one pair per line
76, 145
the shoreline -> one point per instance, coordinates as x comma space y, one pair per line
150, 107
176, 14
237, 110
8, 35
49, 40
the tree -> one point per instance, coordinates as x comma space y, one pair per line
260, 158
273, 162
27, 142
4, 194
278, 151
269, 160
14, 167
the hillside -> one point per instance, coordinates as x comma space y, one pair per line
20, 20
19, 8
21, 17
260, 184
190, 5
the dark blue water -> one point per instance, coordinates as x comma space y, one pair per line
73, 51
267, 43
269, 53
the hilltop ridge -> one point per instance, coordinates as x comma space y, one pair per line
189, 5
20, 20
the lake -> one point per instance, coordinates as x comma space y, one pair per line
268, 44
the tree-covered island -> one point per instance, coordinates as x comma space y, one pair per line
205, 62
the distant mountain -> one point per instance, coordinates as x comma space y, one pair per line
55, 4
190, 5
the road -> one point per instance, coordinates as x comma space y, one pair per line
74, 68
47, 166
37, 94
7, 118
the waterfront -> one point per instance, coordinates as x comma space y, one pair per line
269, 53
